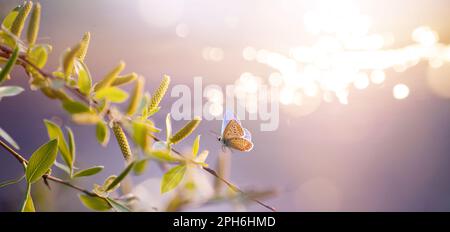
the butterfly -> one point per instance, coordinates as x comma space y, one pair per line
233, 135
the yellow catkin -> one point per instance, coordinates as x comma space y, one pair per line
69, 60
159, 93
136, 96
185, 131
123, 142
125, 79
19, 22
110, 77
84, 45
33, 27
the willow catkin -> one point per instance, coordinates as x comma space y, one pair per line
69, 59
19, 21
110, 77
125, 79
33, 27
186, 130
136, 97
159, 93
123, 142
84, 45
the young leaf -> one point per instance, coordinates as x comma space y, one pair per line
121, 176
38, 55
172, 178
140, 167
88, 172
8, 139
102, 133
94, 203
72, 148
126, 79
28, 205
195, 146
9, 65
140, 133
41, 160
63, 167
117, 206
185, 131
136, 97
110, 77
33, 26
87, 118
163, 155
9, 19
112, 94
75, 107
159, 93
54, 131
168, 128
19, 21
84, 78
9, 91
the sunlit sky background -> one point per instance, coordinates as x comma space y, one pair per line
365, 88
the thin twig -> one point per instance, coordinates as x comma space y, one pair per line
77, 93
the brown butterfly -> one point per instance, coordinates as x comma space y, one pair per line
234, 135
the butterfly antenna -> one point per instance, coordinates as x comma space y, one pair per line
214, 133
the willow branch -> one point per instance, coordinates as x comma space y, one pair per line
24, 62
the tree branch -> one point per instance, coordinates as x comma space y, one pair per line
24, 62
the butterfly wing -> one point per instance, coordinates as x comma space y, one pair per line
240, 144
227, 117
233, 130
247, 135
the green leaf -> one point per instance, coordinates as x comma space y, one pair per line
54, 131
117, 206
39, 55
88, 172
9, 91
163, 155
41, 160
8, 139
140, 133
121, 176
195, 146
172, 178
9, 19
84, 78
62, 167
140, 167
102, 132
10, 182
95, 203
74, 107
168, 128
27, 205
72, 148
112, 94
9, 65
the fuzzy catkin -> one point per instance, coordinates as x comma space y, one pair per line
19, 22
136, 97
121, 80
159, 93
84, 45
185, 131
123, 142
69, 59
110, 77
33, 28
